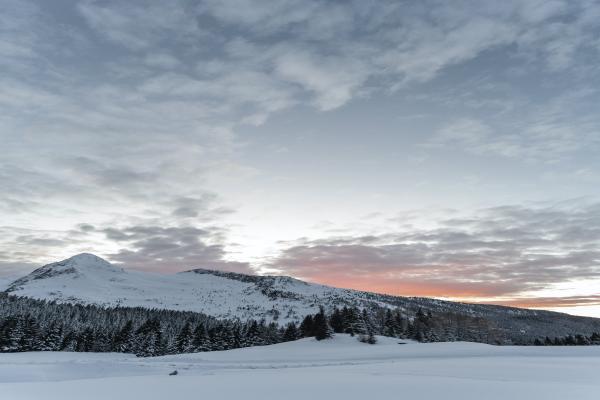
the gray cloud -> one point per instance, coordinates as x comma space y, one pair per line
167, 239
200, 208
141, 25
545, 302
23, 249
125, 116
551, 131
357, 42
171, 249
108, 176
86, 228
502, 251
173, 81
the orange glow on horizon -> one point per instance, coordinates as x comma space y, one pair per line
467, 293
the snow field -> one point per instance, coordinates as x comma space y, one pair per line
340, 368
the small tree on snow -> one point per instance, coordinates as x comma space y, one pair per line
321, 326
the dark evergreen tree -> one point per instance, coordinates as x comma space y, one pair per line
271, 333
123, 341
307, 327
52, 337
69, 342
9, 335
149, 339
183, 342
30, 334
102, 341
200, 341
355, 323
581, 340
559, 341
390, 327
322, 329
253, 334
336, 320
291, 332
85, 340
237, 338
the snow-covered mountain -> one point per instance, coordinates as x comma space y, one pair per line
88, 279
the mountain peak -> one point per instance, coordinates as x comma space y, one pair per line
84, 264
87, 260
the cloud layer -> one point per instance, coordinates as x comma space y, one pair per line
168, 135
501, 252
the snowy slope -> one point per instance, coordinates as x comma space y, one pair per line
88, 279
341, 368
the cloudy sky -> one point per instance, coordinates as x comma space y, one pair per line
433, 148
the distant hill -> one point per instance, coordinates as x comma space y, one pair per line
88, 279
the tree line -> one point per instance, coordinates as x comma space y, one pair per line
38, 325
569, 340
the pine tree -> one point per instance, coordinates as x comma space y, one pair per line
348, 318
10, 335
253, 334
336, 320
123, 341
420, 327
401, 324
52, 337
390, 327
183, 343
216, 338
558, 341
200, 341
85, 340
30, 338
322, 329
69, 342
307, 328
291, 332
581, 340
237, 337
149, 339
102, 341
271, 334
355, 324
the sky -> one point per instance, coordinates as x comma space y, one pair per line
430, 148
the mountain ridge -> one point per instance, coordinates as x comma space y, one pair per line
88, 279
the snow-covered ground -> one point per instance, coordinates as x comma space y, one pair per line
341, 368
